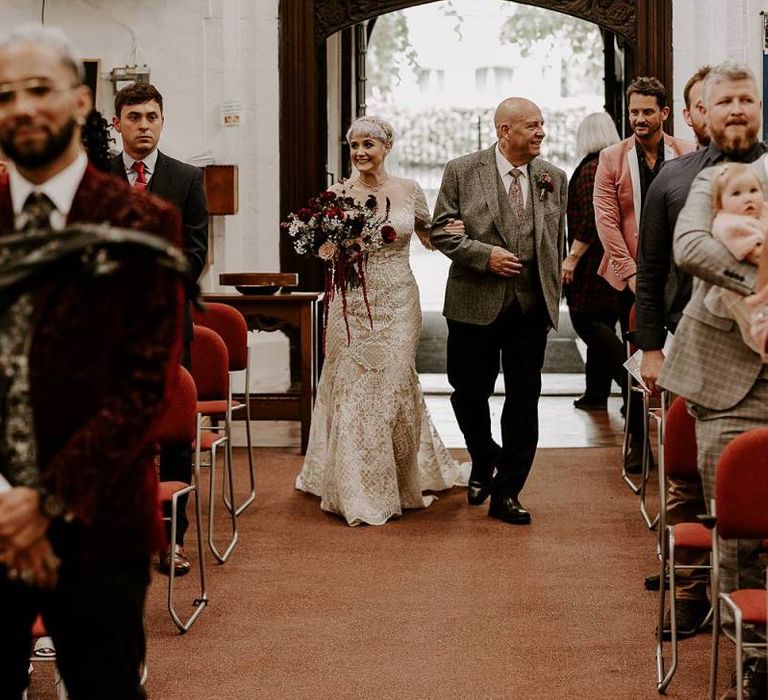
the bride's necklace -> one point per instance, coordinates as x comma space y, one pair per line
374, 188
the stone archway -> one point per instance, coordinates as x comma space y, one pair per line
645, 25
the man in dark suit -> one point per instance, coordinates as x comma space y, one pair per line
502, 295
139, 118
85, 371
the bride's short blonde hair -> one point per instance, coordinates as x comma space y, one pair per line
376, 127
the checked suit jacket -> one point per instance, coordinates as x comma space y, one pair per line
470, 192
709, 363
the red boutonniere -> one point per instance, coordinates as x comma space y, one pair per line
544, 181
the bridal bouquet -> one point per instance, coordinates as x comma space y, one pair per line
341, 232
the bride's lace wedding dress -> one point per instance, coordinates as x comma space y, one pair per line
373, 449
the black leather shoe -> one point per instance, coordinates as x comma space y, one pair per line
585, 403
480, 478
753, 686
690, 616
508, 509
181, 564
633, 464
477, 492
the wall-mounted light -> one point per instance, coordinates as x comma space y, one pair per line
125, 75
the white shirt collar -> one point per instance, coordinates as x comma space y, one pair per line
60, 189
505, 166
149, 162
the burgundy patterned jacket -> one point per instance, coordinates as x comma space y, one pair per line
103, 353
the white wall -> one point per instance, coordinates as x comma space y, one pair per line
200, 53
711, 31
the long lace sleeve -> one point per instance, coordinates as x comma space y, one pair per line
422, 216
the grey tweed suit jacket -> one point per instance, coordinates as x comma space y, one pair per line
469, 192
709, 363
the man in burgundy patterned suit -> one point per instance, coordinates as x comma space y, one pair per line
79, 525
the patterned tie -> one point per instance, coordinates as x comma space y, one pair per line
140, 183
37, 212
516, 193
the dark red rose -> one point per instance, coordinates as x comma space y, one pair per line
328, 196
388, 233
304, 214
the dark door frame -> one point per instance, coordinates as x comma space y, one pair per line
304, 25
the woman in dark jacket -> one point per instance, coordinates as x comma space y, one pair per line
592, 302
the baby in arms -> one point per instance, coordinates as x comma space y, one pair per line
741, 225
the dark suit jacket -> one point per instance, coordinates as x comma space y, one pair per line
103, 354
180, 184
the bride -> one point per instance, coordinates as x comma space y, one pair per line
373, 450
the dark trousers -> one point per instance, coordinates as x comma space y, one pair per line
605, 352
605, 360
626, 301
176, 465
95, 616
517, 339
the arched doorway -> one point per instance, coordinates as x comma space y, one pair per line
645, 26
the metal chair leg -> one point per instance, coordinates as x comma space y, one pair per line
251, 473
646, 473
635, 488
200, 602
219, 556
715, 619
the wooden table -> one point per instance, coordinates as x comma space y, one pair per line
296, 314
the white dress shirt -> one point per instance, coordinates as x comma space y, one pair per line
60, 189
505, 166
149, 161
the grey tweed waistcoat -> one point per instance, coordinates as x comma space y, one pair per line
521, 241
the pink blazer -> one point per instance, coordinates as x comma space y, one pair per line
617, 205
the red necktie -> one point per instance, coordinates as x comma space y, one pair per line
140, 183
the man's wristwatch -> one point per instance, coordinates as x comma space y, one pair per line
52, 507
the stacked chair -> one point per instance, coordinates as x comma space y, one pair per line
210, 370
677, 459
741, 495
638, 487
231, 326
178, 425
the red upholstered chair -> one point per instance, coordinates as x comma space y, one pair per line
677, 460
639, 487
741, 495
230, 324
210, 370
178, 425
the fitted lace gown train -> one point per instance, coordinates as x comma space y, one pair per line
373, 449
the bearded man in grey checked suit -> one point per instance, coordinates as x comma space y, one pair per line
502, 296
723, 380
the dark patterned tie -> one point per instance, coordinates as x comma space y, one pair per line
140, 183
37, 212
516, 193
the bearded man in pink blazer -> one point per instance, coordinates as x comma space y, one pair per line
624, 174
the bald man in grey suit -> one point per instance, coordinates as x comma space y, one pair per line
502, 295
724, 382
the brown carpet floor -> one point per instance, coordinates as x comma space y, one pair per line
443, 603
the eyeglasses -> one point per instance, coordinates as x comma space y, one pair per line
35, 90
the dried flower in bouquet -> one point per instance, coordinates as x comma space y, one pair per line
341, 232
